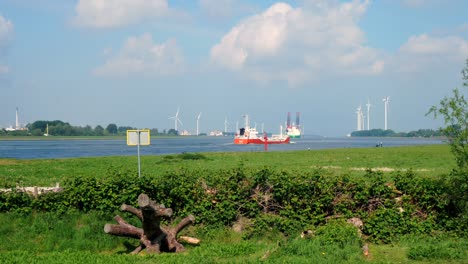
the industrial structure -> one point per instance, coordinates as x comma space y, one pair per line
293, 130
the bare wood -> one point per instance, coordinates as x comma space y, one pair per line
153, 237
120, 220
173, 245
166, 212
154, 246
132, 210
190, 240
144, 200
186, 221
137, 250
120, 230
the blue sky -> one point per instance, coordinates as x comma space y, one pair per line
134, 62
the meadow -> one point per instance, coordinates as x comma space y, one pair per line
68, 227
433, 160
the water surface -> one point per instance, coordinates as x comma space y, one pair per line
41, 149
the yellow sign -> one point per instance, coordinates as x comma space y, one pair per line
138, 137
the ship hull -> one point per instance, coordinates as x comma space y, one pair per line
246, 140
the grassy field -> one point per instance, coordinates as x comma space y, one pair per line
77, 237
434, 160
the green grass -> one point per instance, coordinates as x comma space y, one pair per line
434, 160
79, 238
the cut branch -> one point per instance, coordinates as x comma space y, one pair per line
132, 210
153, 237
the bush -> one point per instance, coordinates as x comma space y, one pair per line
285, 201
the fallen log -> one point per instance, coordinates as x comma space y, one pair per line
153, 237
34, 191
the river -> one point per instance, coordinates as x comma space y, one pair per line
63, 148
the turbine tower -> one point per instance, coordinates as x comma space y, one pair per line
386, 100
17, 125
358, 113
176, 119
368, 113
360, 117
198, 119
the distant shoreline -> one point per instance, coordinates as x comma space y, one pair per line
26, 138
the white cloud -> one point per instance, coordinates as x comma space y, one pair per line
424, 51
4, 69
464, 27
115, 13
323, 37
140, 55
6, 29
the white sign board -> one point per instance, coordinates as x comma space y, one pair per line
133, 136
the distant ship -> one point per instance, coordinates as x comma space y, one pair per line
249, 135
293, 130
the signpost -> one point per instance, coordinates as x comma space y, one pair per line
138, 138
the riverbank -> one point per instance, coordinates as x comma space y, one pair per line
430, 160
271, 196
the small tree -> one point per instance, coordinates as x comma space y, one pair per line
454, 110
99, 130
112, 129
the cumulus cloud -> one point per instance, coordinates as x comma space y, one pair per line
6, 32
140, 55
115, 13
323, 37
6, 29
464, 27
4, 69
423, 51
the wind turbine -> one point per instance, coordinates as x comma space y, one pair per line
176, 119
198, 119
360, 119
386, 100
368, 113
17, 124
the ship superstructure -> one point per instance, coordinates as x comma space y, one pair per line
293, 130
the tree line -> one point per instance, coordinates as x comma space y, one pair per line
61, 128
390, 133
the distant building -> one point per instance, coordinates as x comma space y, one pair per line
184, 133
215, 133
17, 124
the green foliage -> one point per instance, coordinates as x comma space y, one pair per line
390, 133
336, 242
112, 129
454, 111
438, 249
274, 200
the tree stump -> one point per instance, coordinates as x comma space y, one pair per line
153, 237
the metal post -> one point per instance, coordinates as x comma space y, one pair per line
139, 171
